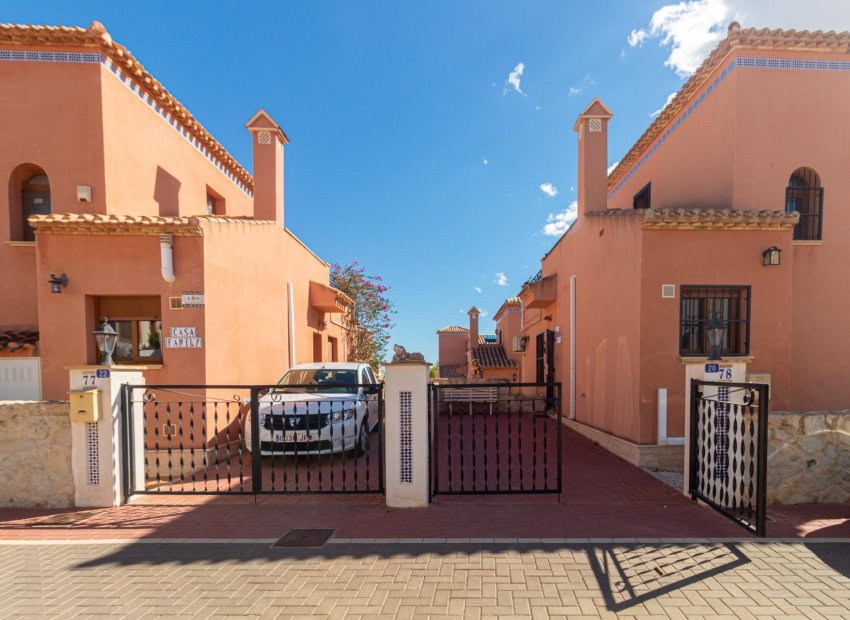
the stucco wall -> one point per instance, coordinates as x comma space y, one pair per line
35, 454
808, 457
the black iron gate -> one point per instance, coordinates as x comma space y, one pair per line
238, 439
728, 450
495, 438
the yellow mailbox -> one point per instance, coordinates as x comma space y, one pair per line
84, 405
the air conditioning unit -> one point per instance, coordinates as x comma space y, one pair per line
519, 344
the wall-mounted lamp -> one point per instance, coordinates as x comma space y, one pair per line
57, 283
323, 324
771, 256
106, 339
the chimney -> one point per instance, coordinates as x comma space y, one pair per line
592, 128
473, 327
267, 139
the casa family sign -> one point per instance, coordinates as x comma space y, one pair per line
184, 338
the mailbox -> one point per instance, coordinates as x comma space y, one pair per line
84, 405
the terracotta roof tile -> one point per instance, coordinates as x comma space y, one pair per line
96, 36
737, 38
18, 342
492, 356
88, 223
717, 219
453, 329
450, 372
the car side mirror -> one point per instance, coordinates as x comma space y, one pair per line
371, 389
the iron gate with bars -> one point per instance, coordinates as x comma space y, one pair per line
495, 438
237, 439
728, 450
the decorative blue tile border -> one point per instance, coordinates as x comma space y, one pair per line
406, 437
746, 63
89, 58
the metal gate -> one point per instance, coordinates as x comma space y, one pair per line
495, 438
238, 439
728, 450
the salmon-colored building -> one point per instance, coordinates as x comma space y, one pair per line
117, 203
463, 353
732, 205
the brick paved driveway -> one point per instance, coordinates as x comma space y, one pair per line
712, 580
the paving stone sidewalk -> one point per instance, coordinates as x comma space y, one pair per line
147, 579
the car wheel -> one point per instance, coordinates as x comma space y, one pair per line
362, 445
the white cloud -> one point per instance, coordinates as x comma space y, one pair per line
670, 98
483, 314
514, 78
637, 37
691, 29
612, 166
486, 162
477, 289
559, 223
501, 279
549, 189
575, 91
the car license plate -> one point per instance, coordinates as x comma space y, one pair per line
292, 436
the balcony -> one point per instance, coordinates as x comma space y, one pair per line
328, 299
540, 292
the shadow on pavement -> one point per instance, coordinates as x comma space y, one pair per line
837, 557
631, 575
627, 575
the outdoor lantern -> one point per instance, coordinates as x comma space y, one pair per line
106, 339
771, 256
714, 330
57, 283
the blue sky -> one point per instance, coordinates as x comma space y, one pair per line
411, 150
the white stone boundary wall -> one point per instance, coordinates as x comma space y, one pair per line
35, 455
808, 457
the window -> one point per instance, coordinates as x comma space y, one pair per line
364, 377
804, 194
29, 195
137, 322
541, 358
215, 202
641, 199
729, 304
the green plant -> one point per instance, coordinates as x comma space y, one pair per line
369, 317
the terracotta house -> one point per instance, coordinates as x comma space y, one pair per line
116, 202
465, 354
732, 205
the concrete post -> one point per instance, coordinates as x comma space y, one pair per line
406, 434
97, 447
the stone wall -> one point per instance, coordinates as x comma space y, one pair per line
35, 455
808, 458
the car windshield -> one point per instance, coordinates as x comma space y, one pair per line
320, 380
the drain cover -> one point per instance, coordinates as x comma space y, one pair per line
304, 538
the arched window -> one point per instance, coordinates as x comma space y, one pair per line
29, 194
804, 194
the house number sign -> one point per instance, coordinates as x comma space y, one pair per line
192, 299
184, 338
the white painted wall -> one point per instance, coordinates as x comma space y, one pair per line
106, 491
410, 377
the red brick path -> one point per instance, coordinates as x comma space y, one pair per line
603, 497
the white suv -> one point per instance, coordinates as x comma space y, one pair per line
316, 409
